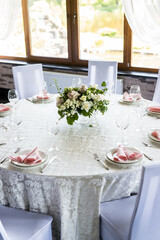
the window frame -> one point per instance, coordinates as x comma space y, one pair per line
73, 43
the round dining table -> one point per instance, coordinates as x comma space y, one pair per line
71, 187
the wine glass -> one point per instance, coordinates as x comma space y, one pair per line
76, 82
141, 111
53, 129
13, 96
122, 122
135, 93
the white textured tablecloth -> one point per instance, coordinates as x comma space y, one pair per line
71, 188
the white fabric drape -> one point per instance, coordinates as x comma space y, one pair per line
144, 19
8, 15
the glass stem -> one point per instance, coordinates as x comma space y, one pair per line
122, 137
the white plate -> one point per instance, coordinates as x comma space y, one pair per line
5, 113
152, 137
42, 155
110, 153
36, 100
125, 101
153, 113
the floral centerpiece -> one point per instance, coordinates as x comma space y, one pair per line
83, 100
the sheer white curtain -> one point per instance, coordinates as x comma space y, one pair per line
144, 19
8, 15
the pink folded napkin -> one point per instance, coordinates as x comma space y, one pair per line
154, 109
44, 95
4, 108
127, 97
123, 154
31, 157
156, 134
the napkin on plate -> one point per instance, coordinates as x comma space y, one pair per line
154, 109
4, 108
44, 95
156, 134
123, 154
127, 97
31, 157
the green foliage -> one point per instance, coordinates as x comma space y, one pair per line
110, 6
111, 34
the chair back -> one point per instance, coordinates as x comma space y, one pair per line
3, 234
156, 96
28, 80
103, 71
145, 222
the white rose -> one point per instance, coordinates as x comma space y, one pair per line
86, 106
83, 98
98, 97
62, 108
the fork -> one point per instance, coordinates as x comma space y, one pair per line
99, 160
16, 151
147, 144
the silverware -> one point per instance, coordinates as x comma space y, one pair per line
50, 161
19, 123
16, 151
147, 144
1, 144
29, 100
99, 160
149, 158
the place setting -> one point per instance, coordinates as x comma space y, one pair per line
124, 156
154, 135
154, 111
42, 97
5, 109
28, 160
126, 99
131, 97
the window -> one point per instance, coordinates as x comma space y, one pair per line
74, 31
48, 28
145, 55
101, 31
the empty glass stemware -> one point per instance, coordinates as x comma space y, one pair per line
53, 129
76, 82
141, 111
122, 122
135, 93
13, 96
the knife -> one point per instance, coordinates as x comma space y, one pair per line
1, 144
149, 158
29, 100
50, 161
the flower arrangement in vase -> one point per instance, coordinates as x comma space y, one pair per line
83, 100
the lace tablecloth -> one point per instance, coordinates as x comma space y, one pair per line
72, 186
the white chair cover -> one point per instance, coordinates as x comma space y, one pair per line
99, 71
156, 96
134, 218
18, 224
28, 80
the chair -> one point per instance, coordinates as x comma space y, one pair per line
16, 224
156, 96
135, 217
99, 71
28, 80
